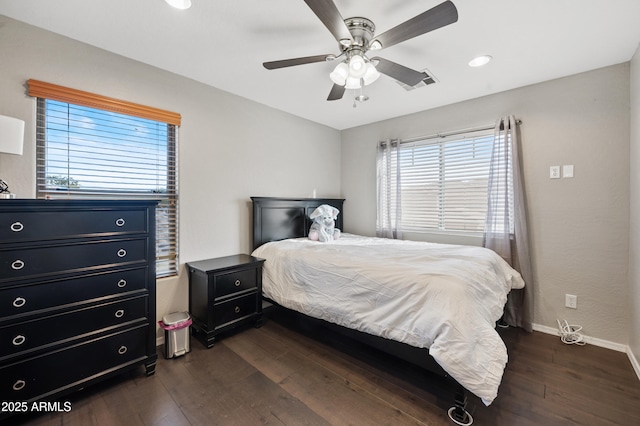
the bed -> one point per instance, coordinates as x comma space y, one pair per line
433, 305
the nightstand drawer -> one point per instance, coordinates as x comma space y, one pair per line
30, 298
233, 282
31, 378
39, 261
29, 335
43, 225
234, 310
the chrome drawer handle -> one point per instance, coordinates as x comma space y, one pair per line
237, 309
18, 340
19, 385
120, 222
237, 283
19, 302
17, 227
122, 350
122, 253
119, 313
122, 283
17, 265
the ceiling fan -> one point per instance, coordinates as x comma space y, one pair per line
356, 36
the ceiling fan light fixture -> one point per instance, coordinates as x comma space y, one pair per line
371, 74
179, 4
480, 61
340, 74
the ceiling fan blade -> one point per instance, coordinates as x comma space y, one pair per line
434, 18
399, 72
295, 61
328, 13
336, 93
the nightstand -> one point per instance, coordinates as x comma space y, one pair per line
224, 293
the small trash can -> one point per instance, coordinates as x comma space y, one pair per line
176, 334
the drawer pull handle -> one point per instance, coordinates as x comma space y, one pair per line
17, 265
119, 313
120, 222
19, 385
237, 309
122, 283
122, 253
19, 302
237, 283
122, 350
18, 340
17, 226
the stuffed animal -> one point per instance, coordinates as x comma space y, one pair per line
323, 228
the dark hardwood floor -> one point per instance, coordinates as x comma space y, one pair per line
277, 375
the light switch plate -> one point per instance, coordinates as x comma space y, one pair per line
567, 171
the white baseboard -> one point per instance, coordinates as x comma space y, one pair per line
634, 361
597, 342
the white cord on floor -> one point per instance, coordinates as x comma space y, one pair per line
570, 334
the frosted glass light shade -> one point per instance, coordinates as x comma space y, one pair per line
11, 135
340, 74
352, 83
371, 74
357, 66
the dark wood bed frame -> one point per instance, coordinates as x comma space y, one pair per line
281, 218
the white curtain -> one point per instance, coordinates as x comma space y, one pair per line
389, 224
506, 224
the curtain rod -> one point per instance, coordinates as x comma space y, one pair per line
452, 133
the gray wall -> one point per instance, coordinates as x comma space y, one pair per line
634, 233
230, 148
579, 227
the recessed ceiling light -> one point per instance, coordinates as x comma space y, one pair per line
179, 4
480, 61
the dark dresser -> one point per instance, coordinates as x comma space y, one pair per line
77, 294
224, 293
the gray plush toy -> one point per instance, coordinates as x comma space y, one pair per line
323, 228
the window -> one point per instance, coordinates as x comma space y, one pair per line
442, 183
86, 149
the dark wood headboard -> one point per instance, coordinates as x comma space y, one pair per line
280, 218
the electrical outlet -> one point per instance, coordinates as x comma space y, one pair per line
554, 172
571, 301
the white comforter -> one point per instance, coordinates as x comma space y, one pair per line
443, 297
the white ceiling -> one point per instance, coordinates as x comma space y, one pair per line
223, 43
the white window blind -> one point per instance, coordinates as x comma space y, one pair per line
443, 183
86, 152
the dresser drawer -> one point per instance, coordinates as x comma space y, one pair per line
234, 310
33, 334
36, 261
52, 225
233, 282
37, 376
29, 299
